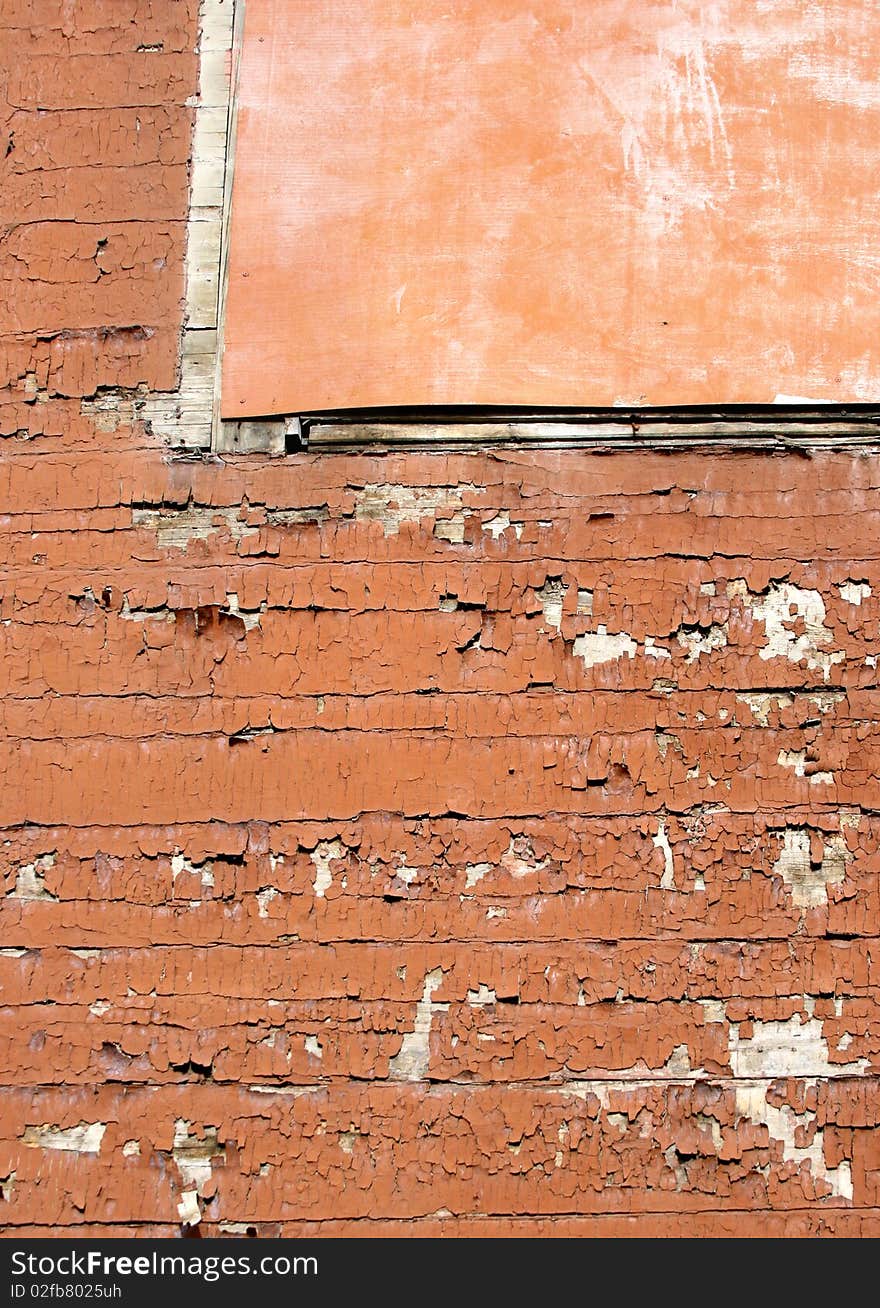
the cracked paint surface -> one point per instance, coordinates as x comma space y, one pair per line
429, 844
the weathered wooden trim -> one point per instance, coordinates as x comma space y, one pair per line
773, 432
251, 436
815, 430
184, 417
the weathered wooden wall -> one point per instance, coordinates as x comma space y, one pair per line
408, 844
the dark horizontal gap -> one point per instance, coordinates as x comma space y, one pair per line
476, 413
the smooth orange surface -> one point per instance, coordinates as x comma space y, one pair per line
554, 202
451, 845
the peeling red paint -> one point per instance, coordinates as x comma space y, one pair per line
414, 844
